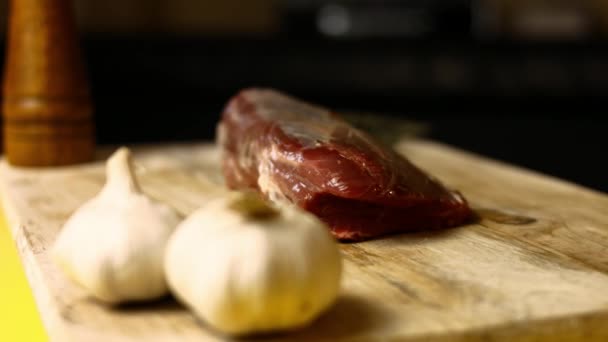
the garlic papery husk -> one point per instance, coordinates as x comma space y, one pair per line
245, 267
113, 245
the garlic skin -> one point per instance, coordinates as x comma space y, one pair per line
246, 268
113, 245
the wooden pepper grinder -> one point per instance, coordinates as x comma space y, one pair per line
47, 107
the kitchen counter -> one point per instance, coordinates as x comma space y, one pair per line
19, 318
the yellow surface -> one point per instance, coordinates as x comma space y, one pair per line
19, 319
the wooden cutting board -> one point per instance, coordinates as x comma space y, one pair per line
533, 267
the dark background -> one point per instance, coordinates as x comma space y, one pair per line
529, 93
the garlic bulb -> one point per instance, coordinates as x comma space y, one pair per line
245, 267
113, 245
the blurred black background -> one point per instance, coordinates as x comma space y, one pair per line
521, 81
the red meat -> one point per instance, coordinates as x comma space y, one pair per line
293, 151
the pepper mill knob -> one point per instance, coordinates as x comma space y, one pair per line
47, 108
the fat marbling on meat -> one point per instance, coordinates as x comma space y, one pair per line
290, 150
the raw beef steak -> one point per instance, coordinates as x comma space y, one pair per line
293, 151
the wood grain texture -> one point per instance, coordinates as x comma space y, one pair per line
46, 107
533, 267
